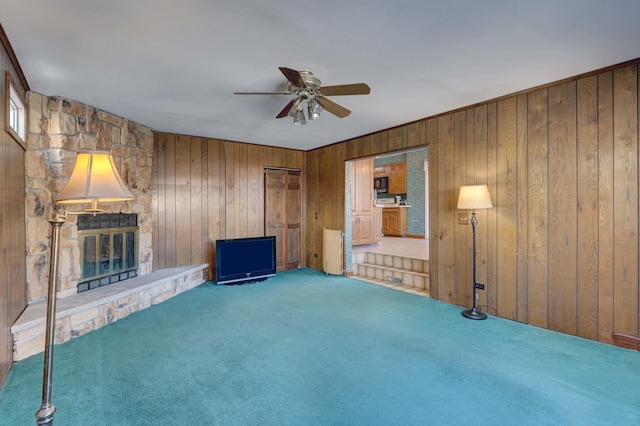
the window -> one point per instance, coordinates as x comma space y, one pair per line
15, 123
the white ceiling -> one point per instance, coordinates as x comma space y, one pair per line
173, 65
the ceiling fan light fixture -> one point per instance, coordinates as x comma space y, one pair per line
313, 108
298, 117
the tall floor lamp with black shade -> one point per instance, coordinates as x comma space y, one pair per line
94, 179
474, 197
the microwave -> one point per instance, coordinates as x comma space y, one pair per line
381, 184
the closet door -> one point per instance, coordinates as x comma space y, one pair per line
283, 214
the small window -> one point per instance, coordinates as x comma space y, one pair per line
15, 123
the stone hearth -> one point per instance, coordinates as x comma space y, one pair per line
82, 313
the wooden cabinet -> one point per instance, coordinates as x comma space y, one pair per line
362, 208
377, 223
397, 178
394, 221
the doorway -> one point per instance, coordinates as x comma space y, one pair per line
416, 196
283, 215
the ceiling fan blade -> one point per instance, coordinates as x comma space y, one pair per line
334, 108
261, 93
346, 89
286, 109
293, 76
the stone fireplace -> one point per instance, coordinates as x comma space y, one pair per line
99, 255
57, 129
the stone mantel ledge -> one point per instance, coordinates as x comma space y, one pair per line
87, 311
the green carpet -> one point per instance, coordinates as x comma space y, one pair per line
304, 348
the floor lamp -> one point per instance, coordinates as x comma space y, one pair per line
474, 197
94, 179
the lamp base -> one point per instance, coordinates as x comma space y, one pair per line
473, 313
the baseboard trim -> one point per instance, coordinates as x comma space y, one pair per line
626, 340
418, 236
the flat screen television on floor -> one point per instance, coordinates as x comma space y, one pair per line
243, 260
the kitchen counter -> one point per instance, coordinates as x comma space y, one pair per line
390, 205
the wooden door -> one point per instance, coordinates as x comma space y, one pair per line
283, 215
362, 209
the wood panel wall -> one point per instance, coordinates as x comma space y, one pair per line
208, 189
560, 249
13, 246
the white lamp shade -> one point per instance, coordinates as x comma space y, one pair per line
94, 178
473, 197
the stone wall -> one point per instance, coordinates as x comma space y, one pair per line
57, 129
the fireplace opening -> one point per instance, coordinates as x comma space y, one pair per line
108, 245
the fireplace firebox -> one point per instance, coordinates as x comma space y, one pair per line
108, 245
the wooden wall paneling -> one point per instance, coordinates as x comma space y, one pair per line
255, 181
480, 157
353, 149
538, 201
413, 131
216, 197
366, 146
196, 206
507, 209
13, 282
183, 206
170, 202
384, 141
522, 214
205, 244
242, 190
395, 138
470, 177
311, 183
160, 152
587, 202
376, 141
156, 187
431, 140
277, 157
321, 214
17, 242
605, 207
447, 254
562, 208
491, 225
462, 248
231, 203
625, 133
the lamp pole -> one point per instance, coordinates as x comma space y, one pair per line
474, 313
44, 416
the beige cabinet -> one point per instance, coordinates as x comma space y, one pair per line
362, 208
394, 221
397, 178
377, 223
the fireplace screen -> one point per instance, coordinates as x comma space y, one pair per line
108, 249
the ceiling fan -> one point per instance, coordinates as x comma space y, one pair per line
304, 86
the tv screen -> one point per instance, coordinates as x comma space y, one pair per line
243, 260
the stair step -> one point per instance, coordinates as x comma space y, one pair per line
400, 287
392, 261
393, 275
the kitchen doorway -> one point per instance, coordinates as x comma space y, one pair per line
416, 199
